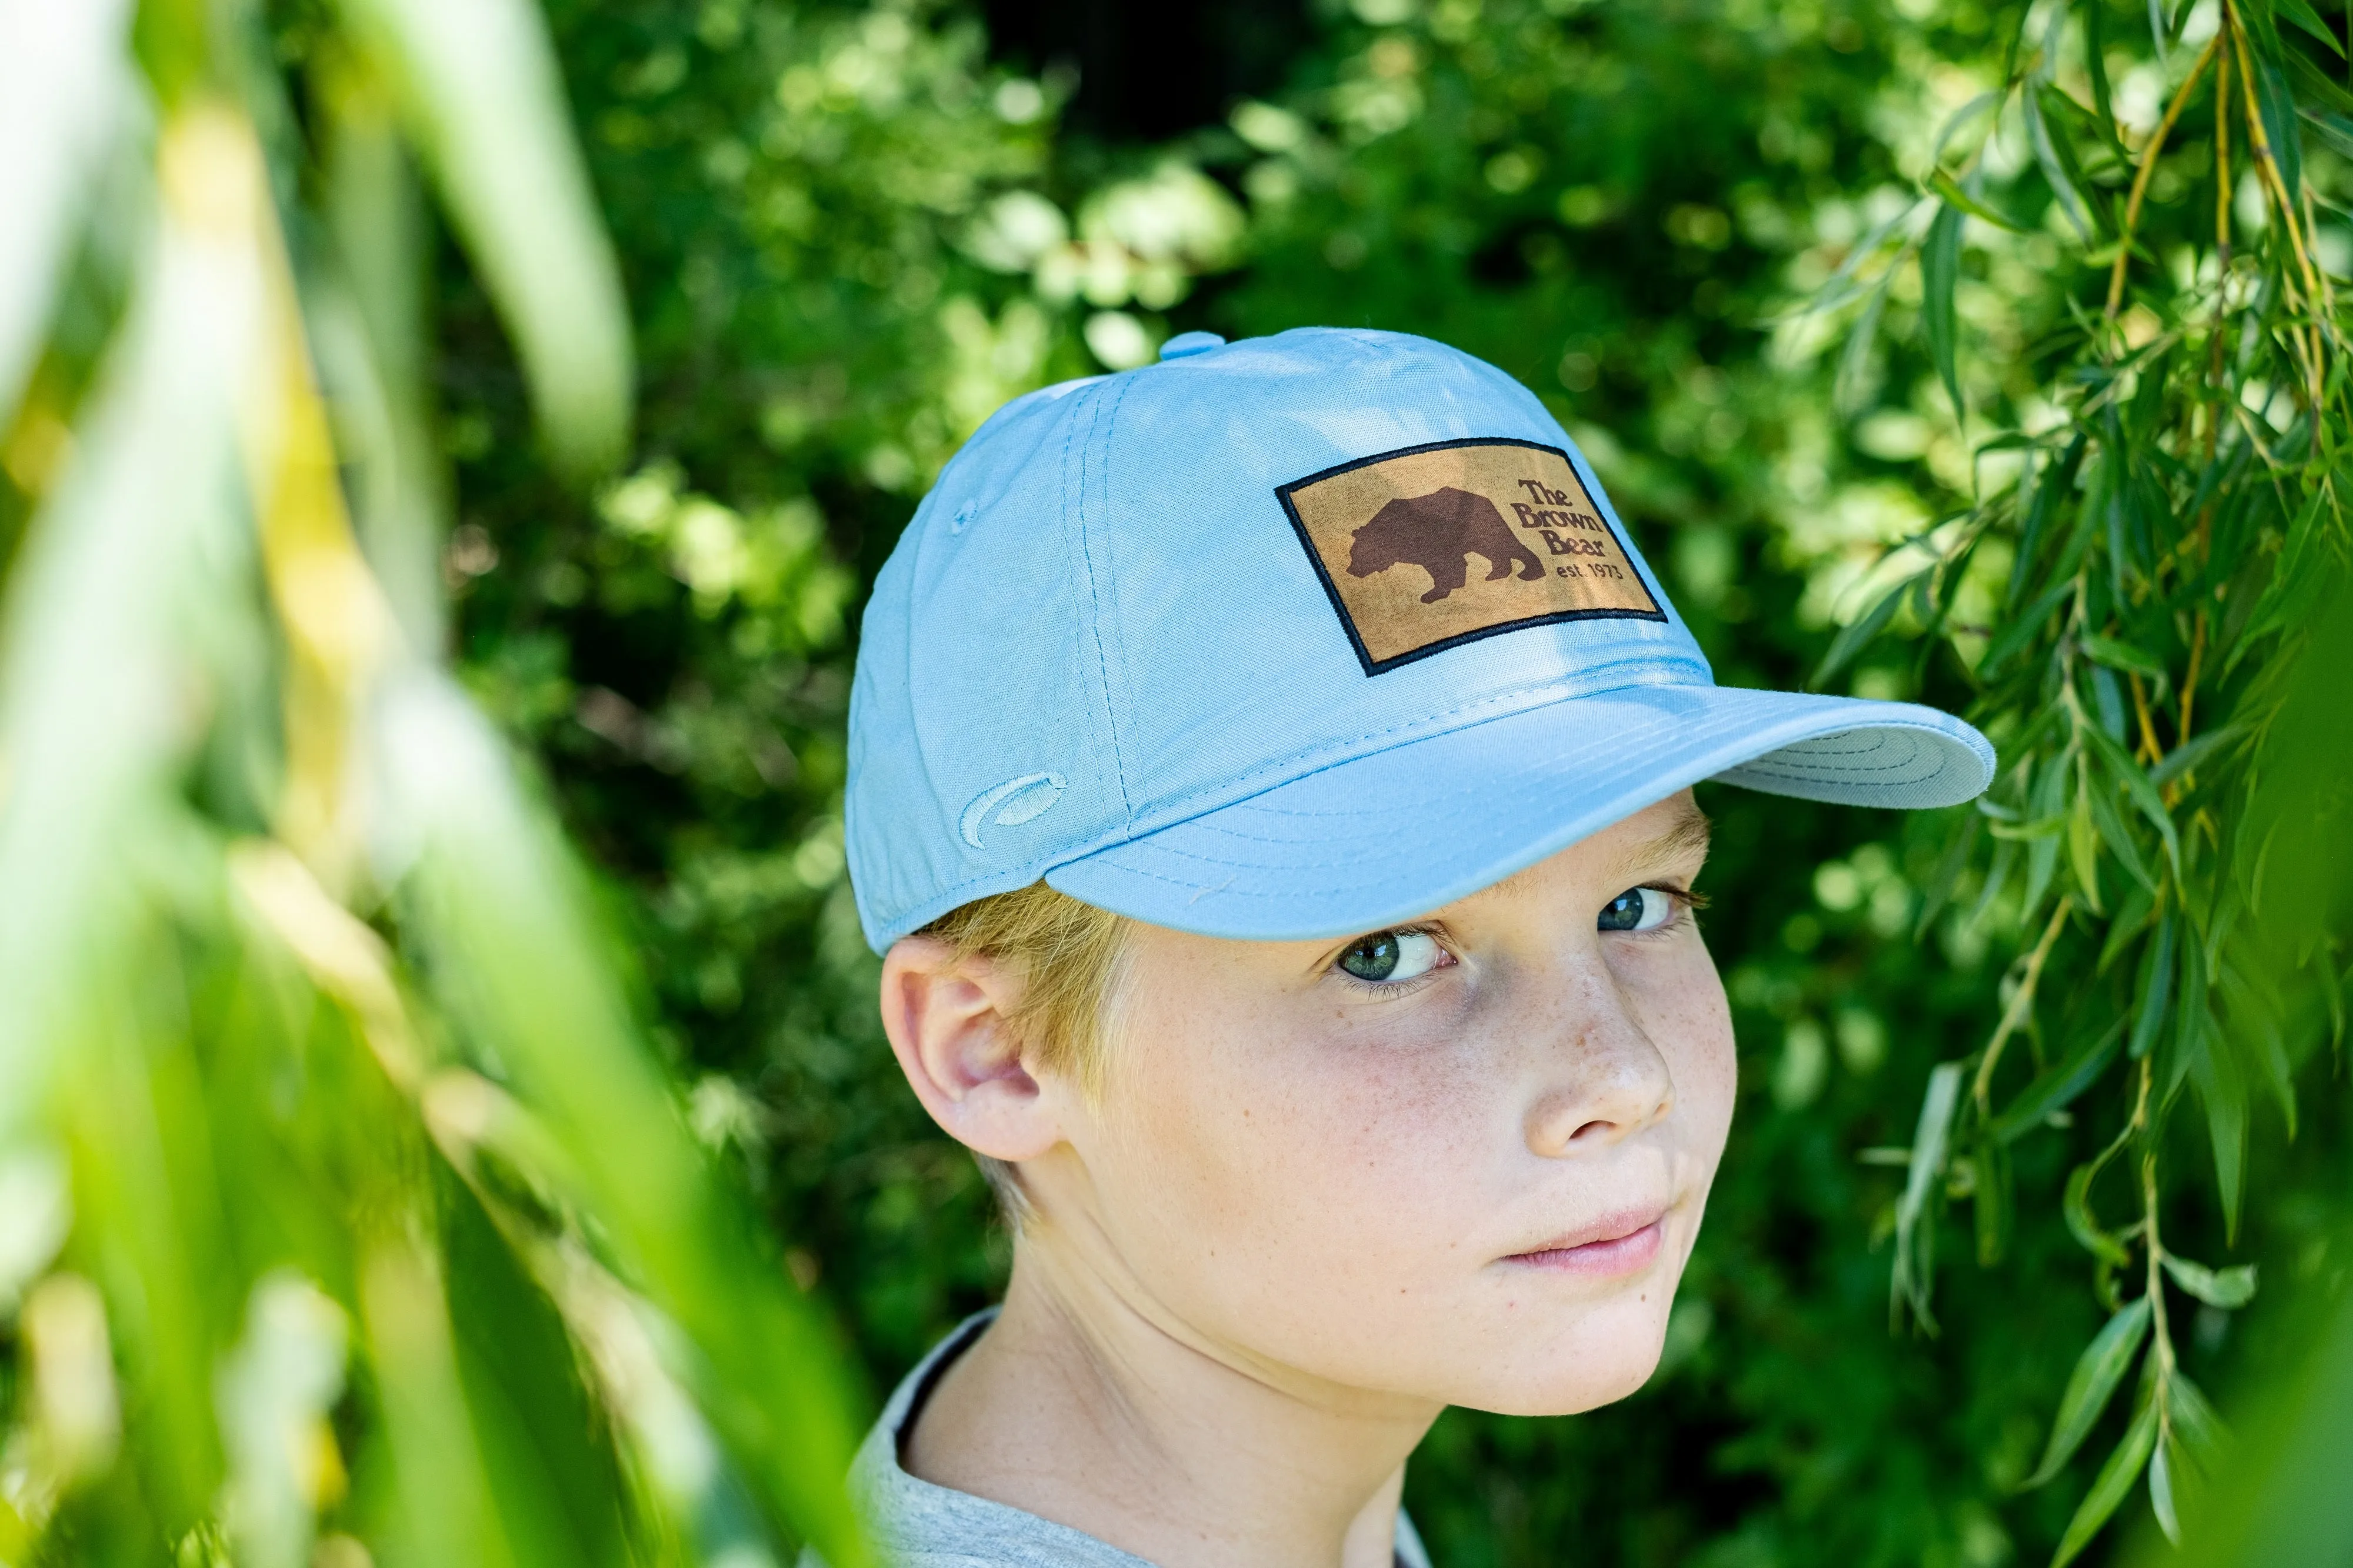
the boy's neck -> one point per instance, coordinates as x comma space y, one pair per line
1089, 1404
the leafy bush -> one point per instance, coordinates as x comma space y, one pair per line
325, 1107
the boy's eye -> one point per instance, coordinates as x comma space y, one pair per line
1637, 909
1388, 957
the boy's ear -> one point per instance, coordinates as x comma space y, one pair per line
945, 1013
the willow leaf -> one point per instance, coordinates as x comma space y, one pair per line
2143, 794
1955, 196
2157, 989
2203, 1436
2109, 1486
1915, 1260
2055, 160
481, 86
2097, 1372
2301, 13
2119, 841
2224, 1094
2160, 1492
63, 90
2190, 754
2278, 103
1940, 270
2118, 653
2057, 1086
2076, 1206
1853, 639
2229, 1288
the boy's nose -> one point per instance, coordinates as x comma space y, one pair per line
1604, 1082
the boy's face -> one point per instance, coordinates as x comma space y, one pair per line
1462, 1162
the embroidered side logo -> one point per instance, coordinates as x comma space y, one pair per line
1426, 548
1015, 801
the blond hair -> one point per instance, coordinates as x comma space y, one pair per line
1066, 957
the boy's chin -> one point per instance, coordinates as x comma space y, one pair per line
1570, 1396
1575, 1372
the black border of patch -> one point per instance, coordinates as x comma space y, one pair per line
1340, 605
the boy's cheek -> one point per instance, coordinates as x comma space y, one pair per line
1347, 1223
1260, 1172
1335, 1195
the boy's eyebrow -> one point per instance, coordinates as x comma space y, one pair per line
1689, 835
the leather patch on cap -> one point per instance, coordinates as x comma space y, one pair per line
1430, 547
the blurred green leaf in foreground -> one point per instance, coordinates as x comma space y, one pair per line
346, 1214
2281, 1500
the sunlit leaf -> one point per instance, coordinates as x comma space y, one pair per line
1954, 196
495, 900
2280, 127
1854, 359
98, 622
2083, 850
1915, 1254
1856, 636
2095, 66
2055, 170
482, 92
64, 88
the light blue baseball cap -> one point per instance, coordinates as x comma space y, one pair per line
1297, 636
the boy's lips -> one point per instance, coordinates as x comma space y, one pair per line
1615, 1244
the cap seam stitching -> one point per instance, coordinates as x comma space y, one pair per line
1094, 592
1491, 699
1100, 845
951, 895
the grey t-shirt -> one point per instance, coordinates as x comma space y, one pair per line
915, 1524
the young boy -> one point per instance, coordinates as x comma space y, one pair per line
1270, 785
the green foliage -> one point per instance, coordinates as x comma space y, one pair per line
348, 1124
345, 1204
2170, 518
1661, 218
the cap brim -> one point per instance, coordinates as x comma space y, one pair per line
1401, 832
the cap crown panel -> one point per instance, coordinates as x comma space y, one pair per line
977, 668
1102, 621
1232, 668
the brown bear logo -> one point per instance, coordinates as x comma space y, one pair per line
1436, 533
